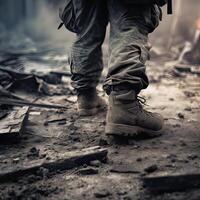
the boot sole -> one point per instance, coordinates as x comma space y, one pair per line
90, 112
129, 131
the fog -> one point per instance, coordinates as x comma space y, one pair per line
31, 23
27, 22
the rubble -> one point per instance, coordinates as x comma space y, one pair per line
13, 123
57, 161
151, 169
102, 193
172, 182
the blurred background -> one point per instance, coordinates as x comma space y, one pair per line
24, 22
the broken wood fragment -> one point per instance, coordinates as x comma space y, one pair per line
16, 102
57, 161
172, 183
13, 123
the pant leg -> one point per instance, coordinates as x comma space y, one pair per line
86, 56
130, 26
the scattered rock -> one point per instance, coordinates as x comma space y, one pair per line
43, 172
102, 194
181, 116
16, 160
95, 163
192, 157
103, 142
176, 125
172, 158
189, 109
34, 152
183, 143
122, 192
151, 169
88, 171
43, 156
139, 159
189, 94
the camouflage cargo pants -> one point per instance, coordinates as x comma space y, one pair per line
129, 29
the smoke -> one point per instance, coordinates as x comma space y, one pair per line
180, 26
45, 25
39, 24
37, 29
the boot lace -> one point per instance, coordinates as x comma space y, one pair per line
142, 102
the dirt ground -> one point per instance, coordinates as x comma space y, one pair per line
176, 97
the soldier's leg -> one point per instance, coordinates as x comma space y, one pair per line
86, 57
130, 26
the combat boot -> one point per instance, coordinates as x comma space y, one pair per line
89, 103
127, 117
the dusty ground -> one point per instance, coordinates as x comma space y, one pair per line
177, 150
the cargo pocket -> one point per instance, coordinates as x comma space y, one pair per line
153, 16
68, 17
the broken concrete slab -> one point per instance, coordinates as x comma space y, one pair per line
13, 123
57, 161
171, 182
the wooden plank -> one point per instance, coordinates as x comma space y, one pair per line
15, 102
13, 123
172, 183
57, 161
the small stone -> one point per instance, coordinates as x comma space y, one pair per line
139, 159
43, 155
173, 160
151, 169
122, 192
16, 160
103, 142
102, 194
188, 109
181, 116
189, 94
48, 158
176, 125
183, 143
34, 152
4, 161
88, 171
192, 157
95, 163
43, 172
